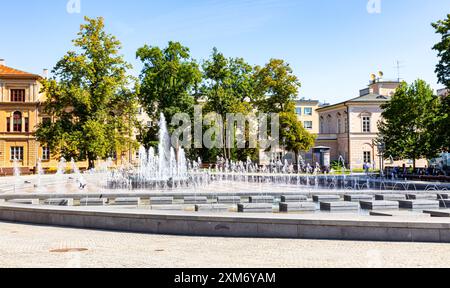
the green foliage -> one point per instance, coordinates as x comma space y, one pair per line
443, 48
293, 135
276, 86
443, 72
409, 121
227, 88
168, 80
89, 99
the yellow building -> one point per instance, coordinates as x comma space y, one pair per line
19, 115
306, 111
21, 111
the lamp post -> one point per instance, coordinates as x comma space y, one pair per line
381, 146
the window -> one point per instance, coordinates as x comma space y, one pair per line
298, 111
45, 153
17, 95
17, 122
8, 124
346, 125
366, 124
27, 124
308, 125
16, 153
339, 126
367, 157
308, 111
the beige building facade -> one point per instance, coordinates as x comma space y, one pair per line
350, 128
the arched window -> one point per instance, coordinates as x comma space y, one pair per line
17, 122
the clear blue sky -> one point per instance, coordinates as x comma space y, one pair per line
333, 45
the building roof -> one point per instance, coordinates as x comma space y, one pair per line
368, 98
8, 72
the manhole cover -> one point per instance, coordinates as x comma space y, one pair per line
68, 250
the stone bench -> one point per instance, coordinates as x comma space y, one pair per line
445, 203
357, 198
93, 202
25, 201
59, 202
419, 204
438, 213
211, 208
167, 207
380, 205
195, 200
262, 199
131, 201
297, 207
293, 198
228, 199
161, 200
339, 206
390, 197
255, 208
418, 196
326, 198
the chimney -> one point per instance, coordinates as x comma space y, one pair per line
2, 62
45, 73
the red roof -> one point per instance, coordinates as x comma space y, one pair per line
8, 72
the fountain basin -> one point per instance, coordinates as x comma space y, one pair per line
326, 227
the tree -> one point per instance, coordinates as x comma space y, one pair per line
168, 80
228, 88
276, 88
443, 48
443, 72
408, 121
89, 99
294, 136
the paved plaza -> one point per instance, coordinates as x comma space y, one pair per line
39, 246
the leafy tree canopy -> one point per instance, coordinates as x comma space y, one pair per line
89, 98
408, 122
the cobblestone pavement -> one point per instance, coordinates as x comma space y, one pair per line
38, 246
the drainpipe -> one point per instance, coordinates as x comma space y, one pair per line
348, 133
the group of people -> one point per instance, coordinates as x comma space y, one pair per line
404, 171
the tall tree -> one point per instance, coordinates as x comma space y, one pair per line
408, 121
89, 98
228, 88
169, 80
294, 136
276, 88
443, 72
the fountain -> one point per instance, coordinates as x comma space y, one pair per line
167, 169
